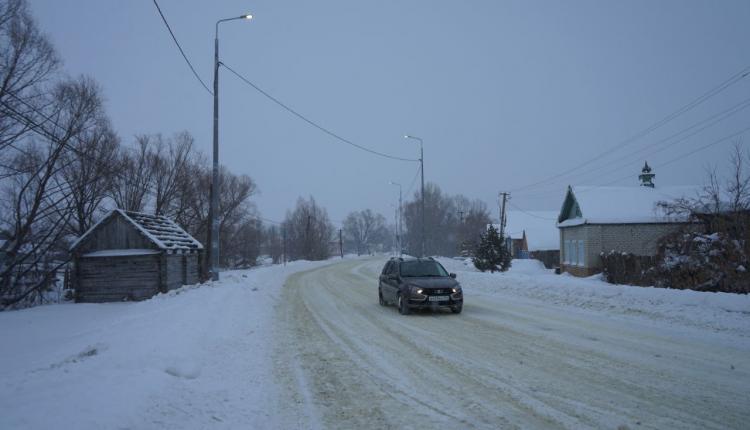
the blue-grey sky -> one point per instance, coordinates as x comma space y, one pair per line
504, 93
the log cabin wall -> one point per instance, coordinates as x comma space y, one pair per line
114, 279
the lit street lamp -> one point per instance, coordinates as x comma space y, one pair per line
398, 224
421, 169
213, 232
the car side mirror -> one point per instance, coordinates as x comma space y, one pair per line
452, 275
393, 277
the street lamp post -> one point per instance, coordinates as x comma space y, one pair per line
213, 231
421, 169
398, 224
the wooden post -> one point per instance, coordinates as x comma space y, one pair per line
341, 244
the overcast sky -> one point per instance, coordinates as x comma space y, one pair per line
504, 93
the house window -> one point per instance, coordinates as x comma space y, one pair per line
573, 252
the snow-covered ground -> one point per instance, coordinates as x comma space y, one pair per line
308, 346
196, 357
529, 279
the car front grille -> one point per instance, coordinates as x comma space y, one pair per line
437, 292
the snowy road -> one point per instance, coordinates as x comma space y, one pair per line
306, 346
508, 361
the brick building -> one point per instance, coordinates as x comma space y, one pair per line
593, 220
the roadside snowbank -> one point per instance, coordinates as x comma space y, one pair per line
141, 365
530, 280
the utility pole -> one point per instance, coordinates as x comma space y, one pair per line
399, 235
213, 227
308, 245
461, 244
421, 169
284, 233
341, 243
504, 199
400, 222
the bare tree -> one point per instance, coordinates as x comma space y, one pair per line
364, 228
27, 62
273, 243
472, 223
170, 163
453, 223
242, 248
89, 170
35, 210
738, 184
309, 231
440, 218
131, 188
238, 228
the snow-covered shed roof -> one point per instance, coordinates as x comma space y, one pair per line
540, 227
162, 231
620, 205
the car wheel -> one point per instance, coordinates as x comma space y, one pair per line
380, 298
403, 308
457, 309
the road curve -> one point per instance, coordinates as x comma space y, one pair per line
346, 362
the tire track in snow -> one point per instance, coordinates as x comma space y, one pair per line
497, 365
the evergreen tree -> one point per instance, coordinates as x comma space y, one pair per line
491, 253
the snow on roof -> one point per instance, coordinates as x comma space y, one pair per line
162, 231
623, 205
540, 227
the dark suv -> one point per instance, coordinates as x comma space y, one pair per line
419, 283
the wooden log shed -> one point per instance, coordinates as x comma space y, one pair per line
133, 256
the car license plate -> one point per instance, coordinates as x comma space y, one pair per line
438, 298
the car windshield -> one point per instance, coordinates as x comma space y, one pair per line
410, 269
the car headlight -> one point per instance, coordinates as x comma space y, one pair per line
456, 289
417, 290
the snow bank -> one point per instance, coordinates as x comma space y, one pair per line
140, 365
527, 279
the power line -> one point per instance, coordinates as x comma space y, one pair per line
311, 122
269, 220
673, 160
707, 95
163, 18
701, 125
531, 214
656, 166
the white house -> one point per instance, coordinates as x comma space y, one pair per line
594, 219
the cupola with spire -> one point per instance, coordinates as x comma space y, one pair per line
646, 176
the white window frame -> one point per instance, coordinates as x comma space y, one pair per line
581, 254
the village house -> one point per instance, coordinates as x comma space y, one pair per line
529, 232
133, 256
594, 220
